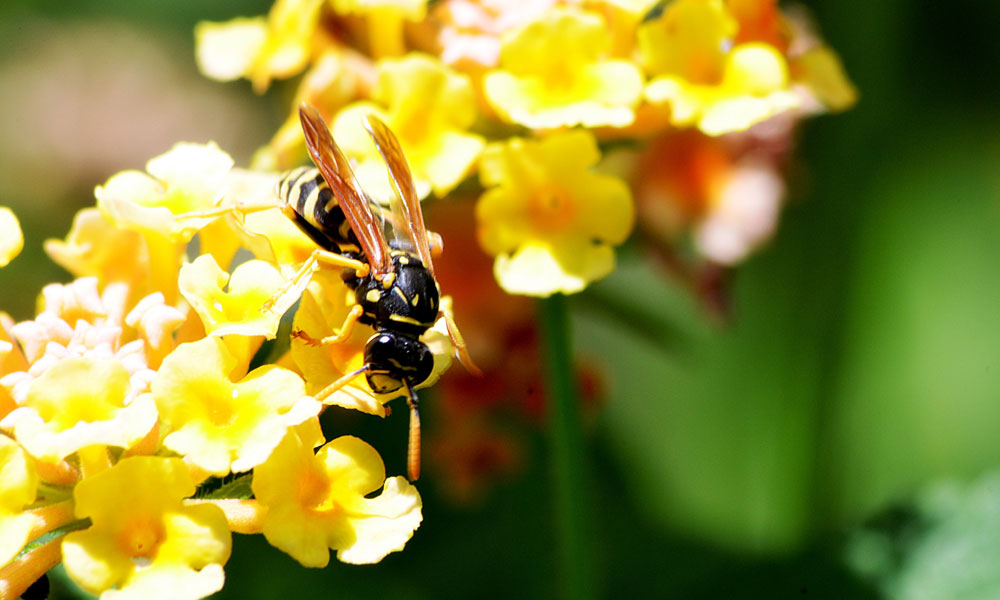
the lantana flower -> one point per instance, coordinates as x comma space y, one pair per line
259, 48
187, 179
238, 309
219, 419
556, 72
11, 239
81, 402
94, 247
707, 79
429, 107
18, 484
549, 220
726, 198
144, 543
321, 502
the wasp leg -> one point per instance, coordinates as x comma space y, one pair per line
338, 384
413, 446
294, 287
459, 343
341, 336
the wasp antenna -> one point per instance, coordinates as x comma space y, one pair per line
413, 449
337, 385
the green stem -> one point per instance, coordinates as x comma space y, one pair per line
576, 573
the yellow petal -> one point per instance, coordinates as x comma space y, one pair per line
238, 310
226, 51
11, 239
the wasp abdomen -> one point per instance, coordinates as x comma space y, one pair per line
316, 211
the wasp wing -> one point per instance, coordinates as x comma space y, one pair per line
337, 172
407, 218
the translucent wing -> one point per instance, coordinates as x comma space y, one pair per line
337, 172
407, 217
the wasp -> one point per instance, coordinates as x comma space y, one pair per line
395, 290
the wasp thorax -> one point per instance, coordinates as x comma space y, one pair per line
406, 301
392, 358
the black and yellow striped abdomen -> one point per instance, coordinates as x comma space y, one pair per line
311, 204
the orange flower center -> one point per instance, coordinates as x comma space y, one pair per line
142, 538
220, 408
552, 208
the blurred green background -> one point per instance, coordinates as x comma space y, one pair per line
835, 440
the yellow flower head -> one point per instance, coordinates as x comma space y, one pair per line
144, 543
555, 72
549, 220
96, 248
11, 239
259, 48
18, 482
100, 330
188, 178
237, 310
220, 425
321, 502
704, 77
429, 107
81, 402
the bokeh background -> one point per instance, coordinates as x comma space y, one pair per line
836, 437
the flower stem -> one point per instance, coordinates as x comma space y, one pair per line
576, 574
25, 570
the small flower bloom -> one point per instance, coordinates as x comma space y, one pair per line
18, 482
726, 194
468, 31
237, 310
144, 543
549, 220
429, 107
321, 502
555, 72
188, 178
96, 248
704, 77
11, 239
81, 402
257, 48
220, 425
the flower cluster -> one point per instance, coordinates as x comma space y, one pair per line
537, 97
144, 419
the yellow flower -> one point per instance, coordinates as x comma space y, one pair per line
11, 238
81, 402
238, 310
321, 502
549, 220
18, 482
819, 69
188, 178
429, 107
554, 72
704, 78
144, 543
96, 248
257, 48
220, 425
413, 10
101, 329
